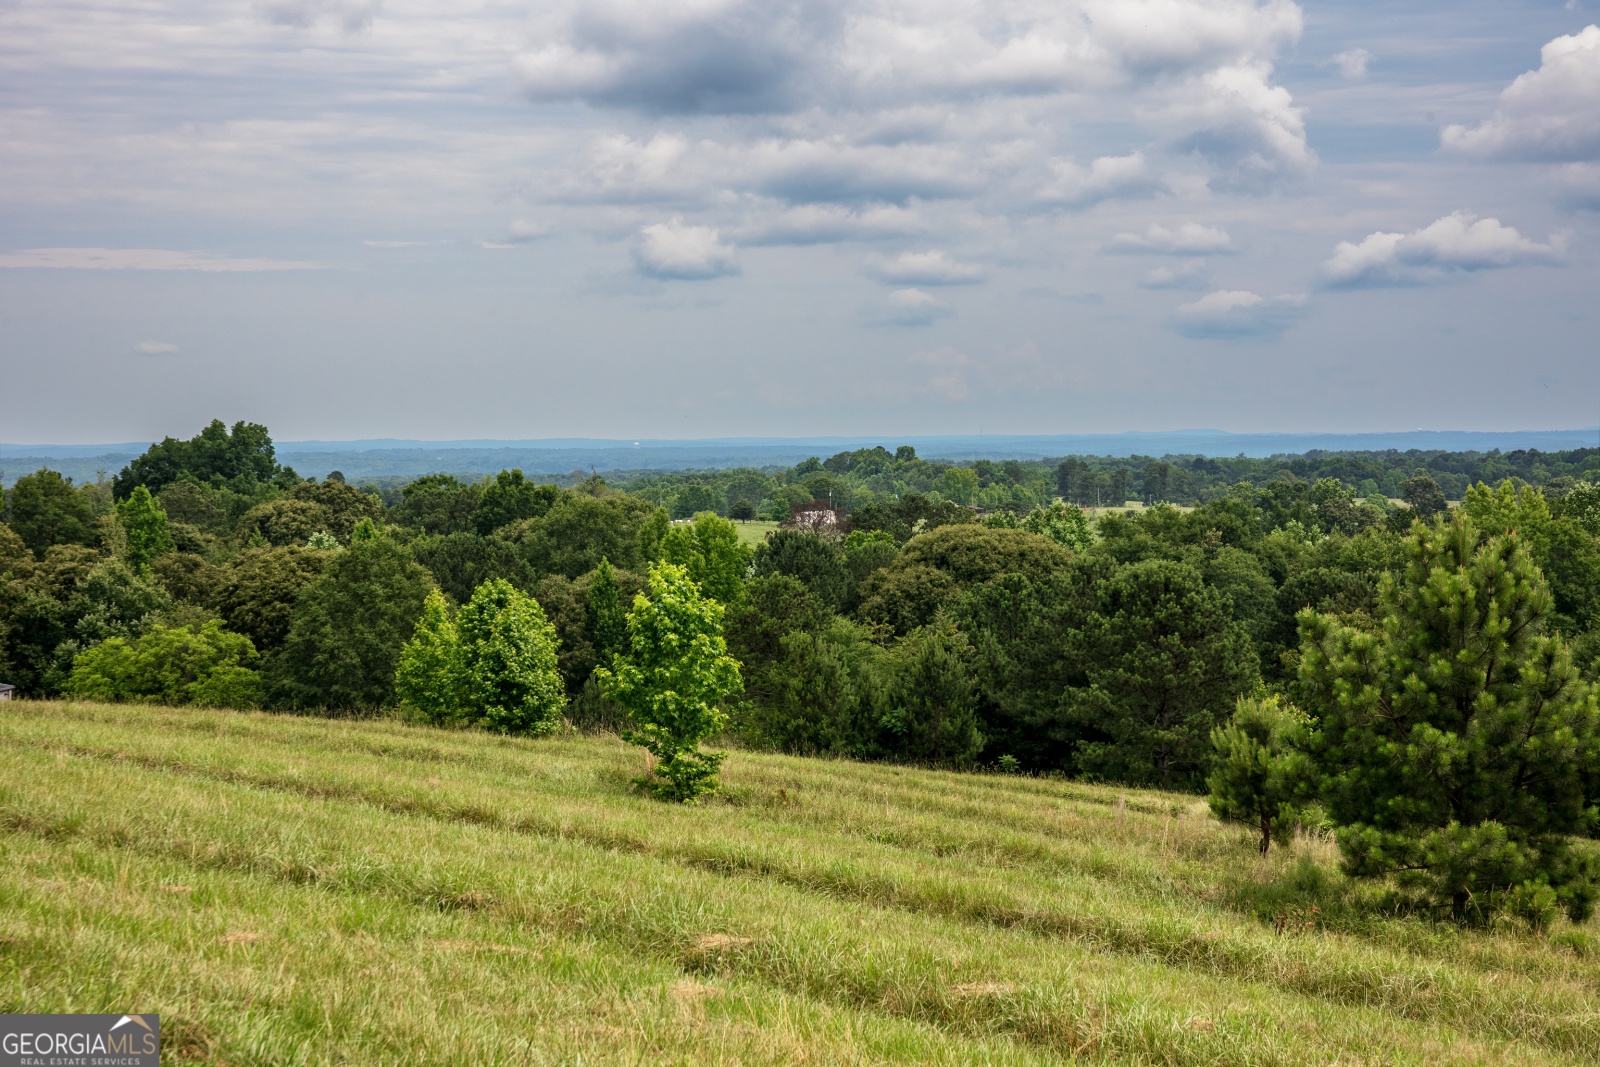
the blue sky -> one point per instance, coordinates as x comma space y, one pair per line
690, 218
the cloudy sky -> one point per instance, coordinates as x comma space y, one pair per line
689, 218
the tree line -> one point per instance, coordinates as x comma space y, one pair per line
1302, 650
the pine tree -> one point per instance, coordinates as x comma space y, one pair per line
672, 679
1455, 741
1260, 767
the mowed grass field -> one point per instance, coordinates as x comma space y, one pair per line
301, 891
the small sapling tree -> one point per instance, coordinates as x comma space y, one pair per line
1259, 767
672, 678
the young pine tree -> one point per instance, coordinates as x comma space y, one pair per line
672, 679
1455, 741
1259, 767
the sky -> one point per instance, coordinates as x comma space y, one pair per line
708, 218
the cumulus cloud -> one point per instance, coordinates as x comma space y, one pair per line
1552, 113
1109, 177
1456, 243
1194, 274
154, 348
1249, 128
924, 268
1186, 239
143, 259
1352, 64
1232, 313
909, 307
674, 251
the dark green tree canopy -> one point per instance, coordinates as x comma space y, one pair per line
511, 498
238, 458
45, 509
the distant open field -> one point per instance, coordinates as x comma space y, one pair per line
299, 891
753, 533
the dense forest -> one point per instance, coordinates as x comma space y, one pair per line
902, 609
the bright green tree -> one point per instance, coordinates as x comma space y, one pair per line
709, 551
510, 680
427, 680
672, 679
144, 522
170, 665
1581, 504
1456, 739
1260, 767
1064, 524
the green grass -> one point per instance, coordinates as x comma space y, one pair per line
754, 532
288, 890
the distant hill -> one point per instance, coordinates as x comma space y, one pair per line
381, 458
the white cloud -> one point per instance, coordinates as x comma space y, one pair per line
143, 259
1194, 274
806, 224
1235, 118
1456, 243
1187, 239
924, 268
1235, 313
1352, 63
155, 348
674, 251
909, 307
1107, 178
1552, 113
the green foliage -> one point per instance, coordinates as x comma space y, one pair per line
934, 568
342, 507
238, 459
608, 617
176, 665
1163, 662
1581, 504
928, 700
1260, 769
672, 680
144, 523
460, 562
439, 504
511, 498
257, 589
580, 530
817, 563
428, 679
1424, 496
818, 692
282, 522
1455, 739
710, 552
347, 629
510, 680
44, 509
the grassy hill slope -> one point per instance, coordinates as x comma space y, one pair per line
288, 890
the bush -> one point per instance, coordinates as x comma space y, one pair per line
492, 665
176, 665
1260, 768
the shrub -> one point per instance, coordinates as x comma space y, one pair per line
170, 665
1260, 768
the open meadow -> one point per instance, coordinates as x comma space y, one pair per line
289, 890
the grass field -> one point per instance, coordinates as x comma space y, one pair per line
298, 891
754, 532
